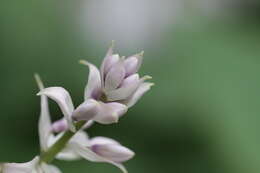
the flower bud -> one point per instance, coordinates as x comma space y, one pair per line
115, 76
60, 125
133, 79
110, 61
131, 65
109, 112
86, 111
111, 149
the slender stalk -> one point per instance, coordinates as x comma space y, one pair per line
50, 154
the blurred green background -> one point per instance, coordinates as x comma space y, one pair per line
202, 116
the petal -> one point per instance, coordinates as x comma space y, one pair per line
105, 62
133, 63
142, 89
115, 76
86, 111
127, 88
110, 149
80, 137
60, 125
93, 88
118, 108
114, 152
62, 97
44, 127
49, 168
88, 154
134, 78
110, 62
28, 167
102, 140
68, 152
109, 112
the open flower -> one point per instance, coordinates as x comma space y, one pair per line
98, 149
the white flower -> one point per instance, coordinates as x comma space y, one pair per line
108, 94
117, 81
102, 149
98, 149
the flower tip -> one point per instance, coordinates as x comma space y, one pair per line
146, 77
116, 118
152, 84
38, 81
36, 76
84, 62
39, 93
132, 154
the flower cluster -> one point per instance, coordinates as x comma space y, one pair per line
109, 93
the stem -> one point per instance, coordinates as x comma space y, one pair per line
50, 154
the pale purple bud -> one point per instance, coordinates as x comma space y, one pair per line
86, 111
133, 63
110, 61
109, 112
130, 65
115, 76
60, 125
110, 149
126, 89
118, 108
133, 79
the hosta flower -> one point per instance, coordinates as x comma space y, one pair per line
98, 149
108, 94
33, 166
118, 79
116, 83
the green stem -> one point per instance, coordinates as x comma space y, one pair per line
50, 154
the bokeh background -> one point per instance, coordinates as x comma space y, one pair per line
203, 114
